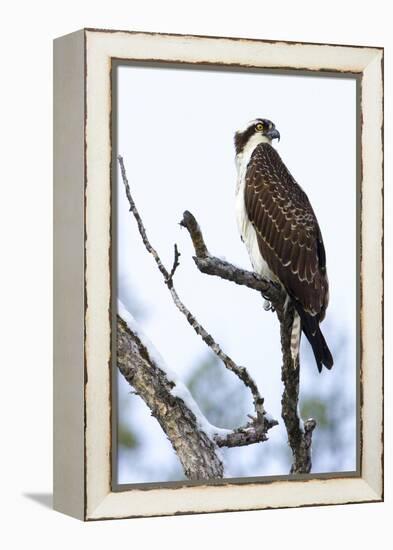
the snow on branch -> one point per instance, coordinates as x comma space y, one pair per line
168, 399
254, 431
299, 434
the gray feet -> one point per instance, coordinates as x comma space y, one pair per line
267, 306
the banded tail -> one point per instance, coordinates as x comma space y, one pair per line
296, 333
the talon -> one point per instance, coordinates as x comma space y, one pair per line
267, 306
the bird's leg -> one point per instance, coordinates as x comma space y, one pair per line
286, 303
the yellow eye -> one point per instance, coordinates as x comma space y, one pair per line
259, 127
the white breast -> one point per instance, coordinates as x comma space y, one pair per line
245, 227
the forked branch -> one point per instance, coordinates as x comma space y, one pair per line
254, 431
299, 435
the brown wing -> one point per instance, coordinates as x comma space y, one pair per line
288, 234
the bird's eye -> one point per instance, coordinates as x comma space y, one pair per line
259, 127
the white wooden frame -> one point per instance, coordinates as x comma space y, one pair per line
82, 385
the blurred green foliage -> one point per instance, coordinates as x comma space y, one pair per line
311, 407
222, 398
126, 436
225, 402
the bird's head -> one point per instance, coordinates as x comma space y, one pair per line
257, 131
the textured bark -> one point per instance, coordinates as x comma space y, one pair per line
299, 435
156, 392
212, 265
240, 371
195, 450
176, 419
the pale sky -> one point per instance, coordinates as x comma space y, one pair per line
175, 133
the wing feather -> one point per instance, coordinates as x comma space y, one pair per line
289, 237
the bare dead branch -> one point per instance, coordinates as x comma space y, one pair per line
254, 432
191, 224
299, 438
195, 450
141, 227
176, 264
212, 265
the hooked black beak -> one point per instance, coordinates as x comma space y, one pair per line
273, 134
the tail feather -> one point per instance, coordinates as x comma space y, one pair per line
310, 327
295, 337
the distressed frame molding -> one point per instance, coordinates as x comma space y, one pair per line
82, 315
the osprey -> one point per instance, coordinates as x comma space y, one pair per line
281, 232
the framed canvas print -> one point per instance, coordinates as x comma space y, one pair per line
218, 274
